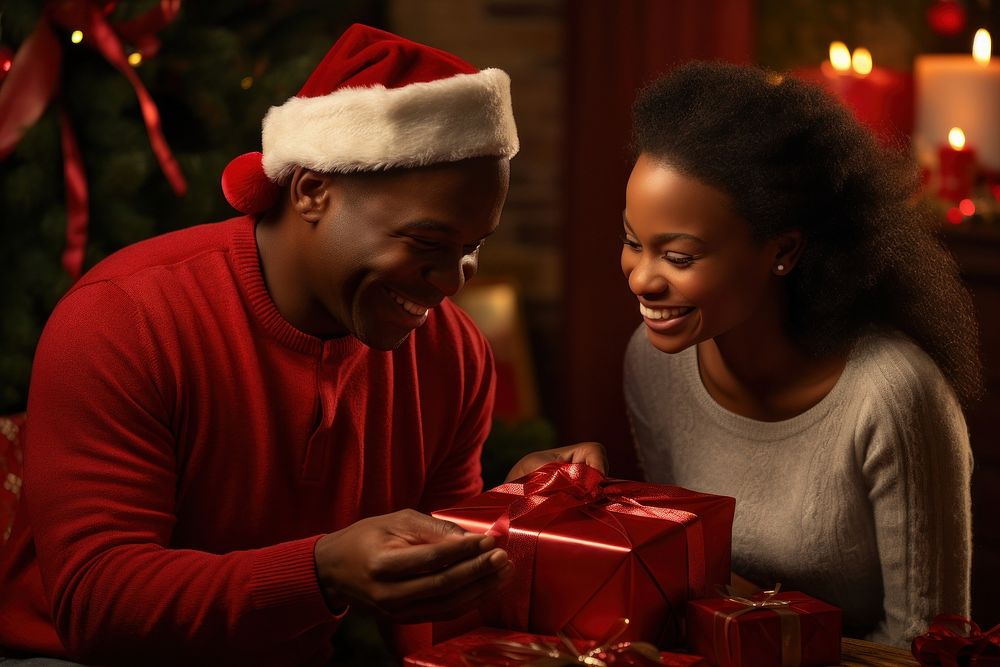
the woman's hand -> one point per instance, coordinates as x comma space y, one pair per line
591, 453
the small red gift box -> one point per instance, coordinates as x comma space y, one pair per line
955, 641
780, 629
588, 550
507, 648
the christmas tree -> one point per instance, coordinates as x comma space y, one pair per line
211, 70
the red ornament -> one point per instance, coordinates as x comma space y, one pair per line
946, 17
6, 61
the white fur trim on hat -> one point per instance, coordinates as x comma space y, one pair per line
366, 129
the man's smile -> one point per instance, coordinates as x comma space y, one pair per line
410, 307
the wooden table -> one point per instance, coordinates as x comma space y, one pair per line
858, 653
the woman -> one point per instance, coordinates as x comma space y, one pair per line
805, 345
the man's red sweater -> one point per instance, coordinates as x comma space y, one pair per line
187, 446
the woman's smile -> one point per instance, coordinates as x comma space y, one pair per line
665, 312
662, 320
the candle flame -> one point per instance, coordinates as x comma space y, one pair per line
840, 57
956, 138
982, 46
861, 61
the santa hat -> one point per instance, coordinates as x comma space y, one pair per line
377, 101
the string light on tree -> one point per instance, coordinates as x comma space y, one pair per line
76, 36
135, 59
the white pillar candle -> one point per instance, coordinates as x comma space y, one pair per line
956, 91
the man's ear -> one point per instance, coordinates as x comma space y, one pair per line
788, 247
309, 192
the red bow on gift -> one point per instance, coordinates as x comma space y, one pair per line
557, 487
791, 633
34, 79
954, 640
606, 652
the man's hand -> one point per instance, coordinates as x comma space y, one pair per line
591, 453
410, 566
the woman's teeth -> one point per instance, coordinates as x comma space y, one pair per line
663, 313
409, 306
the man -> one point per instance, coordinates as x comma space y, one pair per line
228, 422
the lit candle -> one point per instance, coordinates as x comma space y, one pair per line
840, 57
958, 163
879, 97
963, 91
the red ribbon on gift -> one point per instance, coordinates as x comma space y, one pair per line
791, 633
954, 640
557, 487
34, 77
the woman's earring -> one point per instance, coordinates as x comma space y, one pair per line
780, 268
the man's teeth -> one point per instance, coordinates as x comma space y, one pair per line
409, 306
662, 313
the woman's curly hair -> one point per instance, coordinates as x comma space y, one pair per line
790, 157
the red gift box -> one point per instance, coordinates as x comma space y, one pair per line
955, 641
507, 648
588, 550
780, 629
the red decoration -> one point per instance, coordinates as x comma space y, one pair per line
772, 629
245, 187
955, 640
638, 550
34, 81
946, 17
6, 61
489, 646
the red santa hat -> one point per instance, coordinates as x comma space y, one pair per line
377, 101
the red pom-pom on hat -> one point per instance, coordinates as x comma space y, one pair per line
246, 187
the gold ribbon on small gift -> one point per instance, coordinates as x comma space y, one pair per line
606, 653
791, 632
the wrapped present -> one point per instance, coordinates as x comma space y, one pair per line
955, 641
587, 550
773, 628
490, 647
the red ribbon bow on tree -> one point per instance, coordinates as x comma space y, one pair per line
34, 79
954, 641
